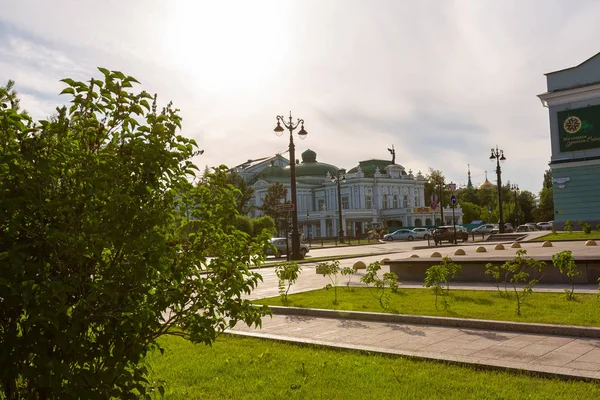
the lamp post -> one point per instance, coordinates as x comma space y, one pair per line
452, 187
339, 179
296, 255
515, 188
498, 155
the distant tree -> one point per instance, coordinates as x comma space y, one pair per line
545, 210
246, 192
470, 211
262, 223
9, 97
526, 204
276, 194
547, 179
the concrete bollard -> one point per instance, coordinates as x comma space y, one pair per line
591, 243
515, 245
499, 246
459, 252
384, 260
547, 243
359, 265
481, 249
435, 254
413, 256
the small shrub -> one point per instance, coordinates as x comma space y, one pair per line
495, 272
389, 279
516, 269
330, 270
569, 226
435, 276
348, 271
288, 274
587, 228
565, 263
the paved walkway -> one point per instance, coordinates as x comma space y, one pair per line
556, 355
564, 356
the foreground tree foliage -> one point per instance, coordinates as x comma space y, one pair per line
93, 266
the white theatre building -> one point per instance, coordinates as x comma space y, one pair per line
375, 194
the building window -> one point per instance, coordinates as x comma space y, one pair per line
417, 199
418, 222
321, 204
345, 202
384, 202
405, 201
428, 221
368, 201
395, 201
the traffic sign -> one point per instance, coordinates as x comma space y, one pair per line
433, 205
453, 199
284, 207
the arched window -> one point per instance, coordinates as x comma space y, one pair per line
395, 201
384, 201
418, 222
405, 201
428, 222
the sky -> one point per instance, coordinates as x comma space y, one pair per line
443, 81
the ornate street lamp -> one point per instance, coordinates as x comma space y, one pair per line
339, 179
498, 155
452, 187
515, 188
296, 255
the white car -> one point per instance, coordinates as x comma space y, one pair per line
544, 226
422, 233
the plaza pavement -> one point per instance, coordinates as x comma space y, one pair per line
566, 355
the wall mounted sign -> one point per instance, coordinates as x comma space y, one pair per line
579, 129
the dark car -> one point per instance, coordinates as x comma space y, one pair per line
508, 228
446, 233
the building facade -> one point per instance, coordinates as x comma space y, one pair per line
573, 101
376, 194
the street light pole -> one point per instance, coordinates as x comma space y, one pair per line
338, 180
452, 187
498, 155
296, 255
515, 188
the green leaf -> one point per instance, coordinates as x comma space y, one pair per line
68, 90
104, 71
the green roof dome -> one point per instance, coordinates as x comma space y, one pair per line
369, 167
273, 171
310, 166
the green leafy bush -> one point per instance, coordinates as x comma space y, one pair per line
107, 246
388, 279
568, 226
331, 270
517, 270
288, 273
565, 262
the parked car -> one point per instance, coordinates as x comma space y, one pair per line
508, 228
544, 226
532, 225
422, 233
525, 228
446, 233
486, 228
401, 234
281, 247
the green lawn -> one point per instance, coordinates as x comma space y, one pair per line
550, 308
250, 368
579, 235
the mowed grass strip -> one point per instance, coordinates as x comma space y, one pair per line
579, 235
249, 368
540, 307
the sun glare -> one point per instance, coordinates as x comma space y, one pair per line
227, 46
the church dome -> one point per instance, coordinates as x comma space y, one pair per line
311, 167
486, 184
